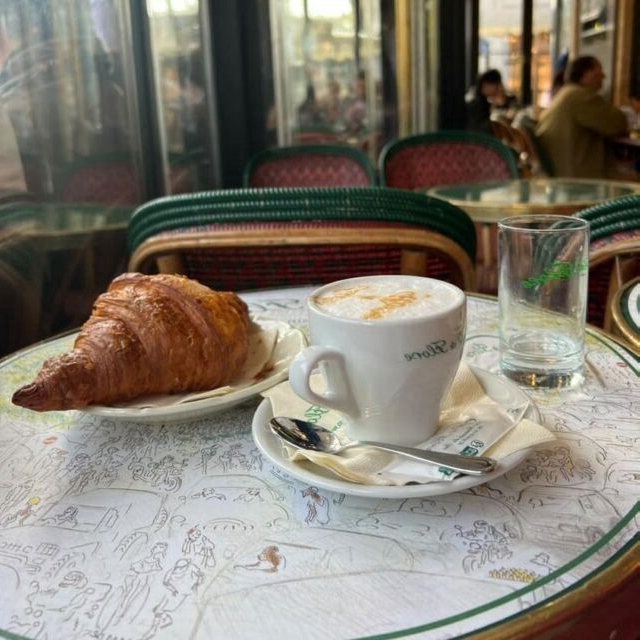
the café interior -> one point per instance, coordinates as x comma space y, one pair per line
108, 105
266, 144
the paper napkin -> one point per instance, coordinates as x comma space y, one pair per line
470, 422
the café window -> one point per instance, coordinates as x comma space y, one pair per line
328, 72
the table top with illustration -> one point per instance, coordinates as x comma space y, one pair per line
488, 202
125, 529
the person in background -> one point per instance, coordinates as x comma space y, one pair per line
488, 92
309, 113
574, 128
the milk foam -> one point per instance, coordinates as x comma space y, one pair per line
386, 299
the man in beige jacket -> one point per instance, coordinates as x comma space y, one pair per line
573, 130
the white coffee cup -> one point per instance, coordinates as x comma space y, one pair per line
388, 348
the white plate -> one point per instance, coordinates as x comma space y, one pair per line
502, 391
288, 343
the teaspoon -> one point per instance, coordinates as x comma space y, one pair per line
306, 435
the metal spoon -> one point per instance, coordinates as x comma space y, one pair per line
306, 435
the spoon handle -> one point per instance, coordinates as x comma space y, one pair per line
473, 466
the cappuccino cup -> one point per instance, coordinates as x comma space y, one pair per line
388, 348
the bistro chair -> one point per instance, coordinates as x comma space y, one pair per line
310, 166
626, 312
527, 128
112, 178
257, 238
614, 253
445, 157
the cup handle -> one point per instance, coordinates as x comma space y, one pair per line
338, 395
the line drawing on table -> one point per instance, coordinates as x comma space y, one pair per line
485, 544
21, 515
132, 595
166, 474
199, 548
106, 555
554, 465
317, 506
270, 559
574, 516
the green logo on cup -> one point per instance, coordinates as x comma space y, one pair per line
434, 348
557, 271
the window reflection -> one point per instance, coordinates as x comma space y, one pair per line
180, 81
329, 58
500, 40
541, 67
63, 91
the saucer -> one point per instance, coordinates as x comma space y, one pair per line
502, 391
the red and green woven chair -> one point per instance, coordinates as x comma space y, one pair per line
445, 157
310, 166
614, 253
257, 238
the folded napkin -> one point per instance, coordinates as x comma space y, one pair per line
470, 422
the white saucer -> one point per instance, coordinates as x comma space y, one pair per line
288, 343
502, 391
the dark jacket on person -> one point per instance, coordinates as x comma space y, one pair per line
478, 112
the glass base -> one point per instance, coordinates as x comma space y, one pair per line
544, 380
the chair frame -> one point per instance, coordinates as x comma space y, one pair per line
621, 253
393, 147
165, 248
620, 322
306, 149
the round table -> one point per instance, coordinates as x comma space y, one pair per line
488, 202
126, 530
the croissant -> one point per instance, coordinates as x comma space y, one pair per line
146, 335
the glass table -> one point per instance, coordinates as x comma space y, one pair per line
55, 258
488, 202
115, 529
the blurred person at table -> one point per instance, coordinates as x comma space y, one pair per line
332, 107
309, 112
574, 128
487, 94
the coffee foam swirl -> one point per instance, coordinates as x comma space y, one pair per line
382, 300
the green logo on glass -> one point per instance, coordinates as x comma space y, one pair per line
557, 271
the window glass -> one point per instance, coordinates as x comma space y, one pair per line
500, 40
327, 58
182, 93
541, 65
65, 100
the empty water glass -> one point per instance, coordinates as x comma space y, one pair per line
542, 295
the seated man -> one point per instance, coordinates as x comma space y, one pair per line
573, 130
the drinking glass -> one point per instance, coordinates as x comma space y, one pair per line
542, 296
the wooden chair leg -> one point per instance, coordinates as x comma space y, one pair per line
413, 263
171, 263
